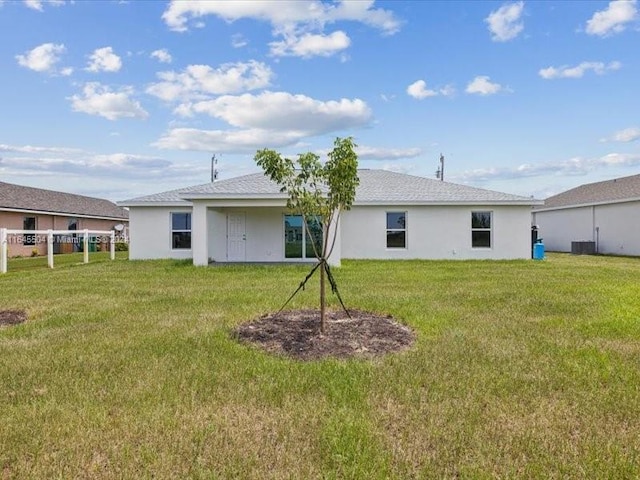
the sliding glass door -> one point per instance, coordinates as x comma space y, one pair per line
297, 241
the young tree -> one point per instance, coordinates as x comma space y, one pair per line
319, 193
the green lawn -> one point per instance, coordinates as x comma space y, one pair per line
521, 369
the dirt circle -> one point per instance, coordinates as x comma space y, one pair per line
296, 333
12, 317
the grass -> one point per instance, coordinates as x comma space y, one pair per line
124, 369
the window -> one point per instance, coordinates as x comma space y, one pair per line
180, 231
481, 229
29, 223
396, 229
73, 225
297, 241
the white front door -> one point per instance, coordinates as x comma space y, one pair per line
236, 237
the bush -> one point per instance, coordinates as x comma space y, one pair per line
122, 247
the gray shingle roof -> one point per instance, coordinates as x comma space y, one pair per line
381, 186
35, 199
609, 191
376, 187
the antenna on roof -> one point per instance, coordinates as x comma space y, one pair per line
214, 169
440, 171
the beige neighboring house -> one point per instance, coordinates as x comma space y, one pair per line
27, 208
603, 216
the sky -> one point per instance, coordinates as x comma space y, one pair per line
118, 99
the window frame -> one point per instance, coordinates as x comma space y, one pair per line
404, 230
180, 230
488, 229
305, 253
29, 240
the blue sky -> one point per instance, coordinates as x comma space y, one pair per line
118, 99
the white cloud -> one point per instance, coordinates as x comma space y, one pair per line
378, 153
97, 99
619, 159
225, 141
578, 71
282, 13
77, 162
198, 81
34, 5
42, 58
282, 111
504, 23
419, 90
238, 40
570, 167
309, 45
614, 19
627, 135
162, 55
300, 24
38, 4
104, 60
271, 119
39, 150
482, 85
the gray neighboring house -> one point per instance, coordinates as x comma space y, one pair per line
394, 216
605, 213
28, 208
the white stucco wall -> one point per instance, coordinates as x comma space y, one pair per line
436, 232
433, 232
264, 228
614, 227
619, 228
558, 228
150, 233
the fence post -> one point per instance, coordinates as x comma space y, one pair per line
50, 248
85, 246
113, 245
3, 250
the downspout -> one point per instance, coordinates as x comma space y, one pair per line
595, 235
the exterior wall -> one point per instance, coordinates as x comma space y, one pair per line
264, 229
613, 227
433, 232
618, 228
558, 228
15, 221
436, 232
150, 233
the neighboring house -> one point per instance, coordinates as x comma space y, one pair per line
605, 213
394, 216
27, 208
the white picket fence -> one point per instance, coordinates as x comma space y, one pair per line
4, 242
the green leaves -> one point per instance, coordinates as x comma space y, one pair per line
315, 188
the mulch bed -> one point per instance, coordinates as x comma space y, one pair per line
12, 317
296, 333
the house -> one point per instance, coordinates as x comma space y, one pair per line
27, 208
603, 213
394, 216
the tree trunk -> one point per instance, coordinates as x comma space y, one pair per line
322, 298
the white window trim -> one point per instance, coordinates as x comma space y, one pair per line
172, 231
490, 230
405, 230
